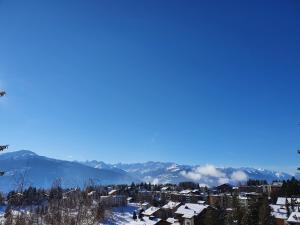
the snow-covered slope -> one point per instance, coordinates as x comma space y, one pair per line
158, 172
41, 171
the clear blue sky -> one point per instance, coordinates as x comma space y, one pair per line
192, 82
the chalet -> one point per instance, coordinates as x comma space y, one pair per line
290, 201
220, 200
173, 221
187, 191
145, 206
152, 212
190, 214
224, 188
196, 192
279, 212
169, 209
113, 192
165, 188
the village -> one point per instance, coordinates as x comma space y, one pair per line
187, 204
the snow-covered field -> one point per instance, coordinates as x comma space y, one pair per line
122, 215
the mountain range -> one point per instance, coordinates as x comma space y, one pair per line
207, 175
40, 171
27, 168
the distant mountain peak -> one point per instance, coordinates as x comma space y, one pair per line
18, 154
42, 171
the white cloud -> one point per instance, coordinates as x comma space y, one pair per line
223, 180
203, 172
191, 175
155, 181
209, 174
209, 170
203, 185
239, 176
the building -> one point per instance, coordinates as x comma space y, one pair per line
290, 201
169, 209
145, 206
153, 212
173, 221
113, 200
279, 213
190, 214
220, 200
294, 218
149, 221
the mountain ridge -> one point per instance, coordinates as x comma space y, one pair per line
41, 171
169, 172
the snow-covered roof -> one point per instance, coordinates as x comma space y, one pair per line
279, 184
294, 217
283, 200
243, 198
173, 221
279, 212
189, 210
164, 188
201, 202
171, 205
112, 192
185, 191
150, 211
91, 193
145, 221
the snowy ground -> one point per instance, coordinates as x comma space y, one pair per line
122, 215
119, 215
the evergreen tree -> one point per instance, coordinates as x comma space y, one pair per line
238, 211
212, 217
246, 219
141, 214
287, 206
228, 219
264, 215
134, 216
253, 211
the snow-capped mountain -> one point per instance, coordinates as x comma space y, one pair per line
40, 171
159, 172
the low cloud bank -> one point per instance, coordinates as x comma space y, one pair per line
209, 174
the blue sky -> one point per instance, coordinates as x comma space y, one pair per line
192, 82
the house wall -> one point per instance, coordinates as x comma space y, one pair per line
189, 221
280, 222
